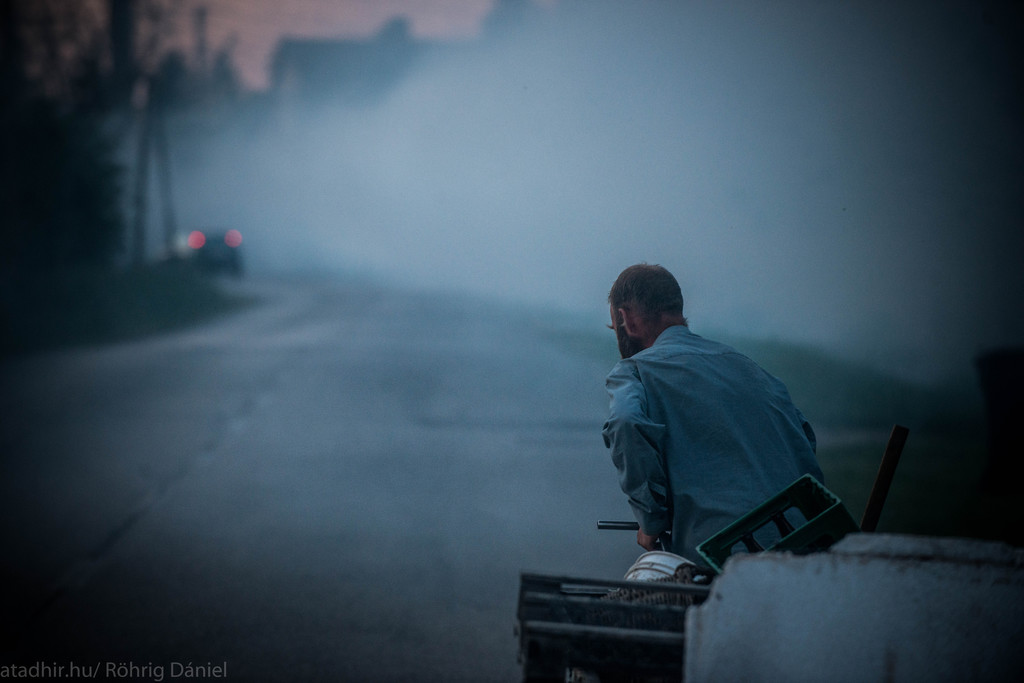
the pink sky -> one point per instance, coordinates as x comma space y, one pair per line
257, 25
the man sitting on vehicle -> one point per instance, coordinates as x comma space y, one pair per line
699, 433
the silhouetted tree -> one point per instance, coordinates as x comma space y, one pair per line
171, 84
224, 79
59, 188
59, 179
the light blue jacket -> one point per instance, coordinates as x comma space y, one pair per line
701, 435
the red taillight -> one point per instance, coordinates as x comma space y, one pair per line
232, 238
196, 239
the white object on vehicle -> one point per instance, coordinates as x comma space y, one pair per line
654, 565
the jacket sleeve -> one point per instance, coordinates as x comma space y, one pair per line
635, 443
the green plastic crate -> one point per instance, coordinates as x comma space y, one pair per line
807, 516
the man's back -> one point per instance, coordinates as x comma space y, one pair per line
701, 435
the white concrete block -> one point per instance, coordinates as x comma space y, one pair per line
875, 608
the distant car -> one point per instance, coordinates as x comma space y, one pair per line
216, 252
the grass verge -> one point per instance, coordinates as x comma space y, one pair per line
937, 489
82, 307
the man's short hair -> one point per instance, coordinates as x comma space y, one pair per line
648, 290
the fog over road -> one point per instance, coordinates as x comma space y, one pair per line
338, 483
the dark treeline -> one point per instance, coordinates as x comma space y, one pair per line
77, 83
88, 93
82, 87
60, 182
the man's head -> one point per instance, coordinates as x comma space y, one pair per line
643, 302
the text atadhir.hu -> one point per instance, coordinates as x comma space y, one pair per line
115, 671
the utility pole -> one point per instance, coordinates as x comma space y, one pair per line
122, 47
163, 160
141, 103
148, 101
130, 89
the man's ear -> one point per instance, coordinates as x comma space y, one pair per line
630, 322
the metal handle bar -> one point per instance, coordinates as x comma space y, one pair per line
618, 526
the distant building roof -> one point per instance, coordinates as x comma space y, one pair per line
344, 70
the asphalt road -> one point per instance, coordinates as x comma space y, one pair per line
341, 483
